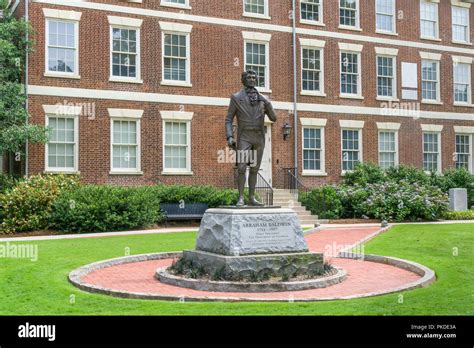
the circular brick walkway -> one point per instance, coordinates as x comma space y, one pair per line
364, 278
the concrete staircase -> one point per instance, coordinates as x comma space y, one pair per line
284, 198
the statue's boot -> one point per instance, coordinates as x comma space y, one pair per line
253, 202
240, 202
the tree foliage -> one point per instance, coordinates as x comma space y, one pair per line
14, 130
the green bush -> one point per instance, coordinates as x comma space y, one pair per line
27, 206
324, 202
364, 173
457, 178
409, 174
101, 208
460, 215
7, 182
213, 196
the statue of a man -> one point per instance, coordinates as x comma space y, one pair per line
250, 108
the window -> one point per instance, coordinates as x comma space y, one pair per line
463, 151
388, 149
311, 70
312, 149
460, 20
350, 74
312, 11
61, 150
429, 19
385, 16
62, 47
386, 85
430, 80
431, 152
256, 8
256, 58
176, 146
349, 13
125, 145
176, 142
462, 83
175, 2
351, 148
125, 53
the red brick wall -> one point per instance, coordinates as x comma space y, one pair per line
214, 74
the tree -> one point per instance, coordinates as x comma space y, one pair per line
14, 129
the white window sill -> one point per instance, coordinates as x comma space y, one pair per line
125, 173
462, 43
464, 105
430, 38
314, 174
61, 171
432, 102
388, 99
256, 15
264, 90
313, 93
176, 83
346, 27
62, 76
183, 7
169, 172
348, 96
125, 79
386, 32
306, 21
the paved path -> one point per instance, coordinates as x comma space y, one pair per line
364, 278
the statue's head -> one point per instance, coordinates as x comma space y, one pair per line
249, 78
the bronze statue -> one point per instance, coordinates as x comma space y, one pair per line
250, 108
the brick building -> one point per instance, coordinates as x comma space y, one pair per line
136, 91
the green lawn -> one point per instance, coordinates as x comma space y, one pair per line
41, 287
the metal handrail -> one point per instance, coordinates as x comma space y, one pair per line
263, 189
294, 184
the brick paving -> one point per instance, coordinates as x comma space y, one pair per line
364, 277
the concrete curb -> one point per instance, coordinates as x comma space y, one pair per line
428, 277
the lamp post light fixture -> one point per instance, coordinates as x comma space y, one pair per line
286, 130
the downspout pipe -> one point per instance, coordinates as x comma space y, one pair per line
27, 18
295, 94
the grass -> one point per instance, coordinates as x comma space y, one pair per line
41, 287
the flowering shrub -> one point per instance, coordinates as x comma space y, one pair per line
27, 206
323, 201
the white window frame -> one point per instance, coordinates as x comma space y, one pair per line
394, 95
185, 6
351, 49
470, 167
436, 58
432, 129
180, 117
314, 123
260, 39
394, 20
321, 15
350, 125
67, 17
62, 111
125, 115
436, 4
357, 18
265, 15
128, 24
176, 29
387, 127
313, 45
464, 6
467, 61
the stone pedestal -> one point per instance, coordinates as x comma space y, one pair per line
243, 243
234, 232
458, 199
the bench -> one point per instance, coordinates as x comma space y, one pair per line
188, 211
